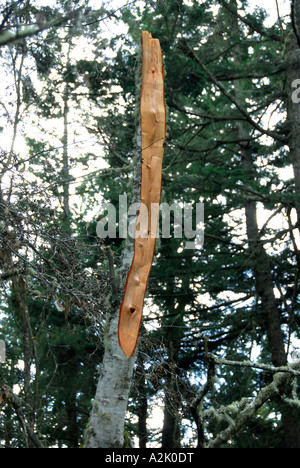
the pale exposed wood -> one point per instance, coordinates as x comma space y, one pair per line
153, 130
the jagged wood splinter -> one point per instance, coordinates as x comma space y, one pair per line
153, 132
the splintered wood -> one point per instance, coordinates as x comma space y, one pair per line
153, 131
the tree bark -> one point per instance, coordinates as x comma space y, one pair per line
106, 425
293, 106
260, 263
142, 403
171, 432
171, 429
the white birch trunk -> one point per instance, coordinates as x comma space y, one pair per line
106, 425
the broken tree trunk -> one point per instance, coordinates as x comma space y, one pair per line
153, 132
106, 425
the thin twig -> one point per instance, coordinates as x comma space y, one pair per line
279, 17
265, 367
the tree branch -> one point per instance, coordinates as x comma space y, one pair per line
266, 367
7, 396
188, 49
252, 26
277, 387
196, 405
7, 37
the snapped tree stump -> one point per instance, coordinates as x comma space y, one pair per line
153, 133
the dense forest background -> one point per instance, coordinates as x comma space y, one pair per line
218, 321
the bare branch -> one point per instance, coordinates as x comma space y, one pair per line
266, 367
